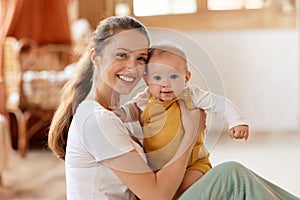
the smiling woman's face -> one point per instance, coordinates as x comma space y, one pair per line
122, 62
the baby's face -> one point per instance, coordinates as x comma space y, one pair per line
167, 76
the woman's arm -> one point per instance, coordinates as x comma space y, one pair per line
190, 177
133, 171
145, 183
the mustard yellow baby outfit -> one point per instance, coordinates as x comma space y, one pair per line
162, 123
163, 133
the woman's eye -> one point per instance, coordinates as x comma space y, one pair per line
121, 55
142, 59
174, 76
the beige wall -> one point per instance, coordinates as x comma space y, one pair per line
260, 71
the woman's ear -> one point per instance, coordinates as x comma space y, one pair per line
187, 76
94, 57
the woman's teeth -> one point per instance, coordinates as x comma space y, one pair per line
126, 78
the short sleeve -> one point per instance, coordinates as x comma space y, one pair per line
105, 136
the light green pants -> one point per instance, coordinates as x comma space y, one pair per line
232, 180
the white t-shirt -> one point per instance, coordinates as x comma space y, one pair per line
95, 134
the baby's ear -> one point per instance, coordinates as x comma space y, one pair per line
187, 76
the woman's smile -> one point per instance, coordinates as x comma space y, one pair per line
125, 78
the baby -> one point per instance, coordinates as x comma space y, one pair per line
158, 110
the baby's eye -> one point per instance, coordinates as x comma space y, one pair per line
157, 78
173, 76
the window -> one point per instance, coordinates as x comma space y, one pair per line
236, 4
163, 7
210, 14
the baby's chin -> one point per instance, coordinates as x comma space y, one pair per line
168, 98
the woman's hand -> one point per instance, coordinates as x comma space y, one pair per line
193, 122
202, 120
119, 112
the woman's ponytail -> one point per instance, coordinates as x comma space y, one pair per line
73, 93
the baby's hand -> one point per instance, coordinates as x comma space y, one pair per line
119, 112
240, 132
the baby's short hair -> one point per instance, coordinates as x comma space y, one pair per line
166, 46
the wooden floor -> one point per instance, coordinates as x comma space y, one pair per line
276, 157
37, 176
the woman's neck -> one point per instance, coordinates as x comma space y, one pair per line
105, 96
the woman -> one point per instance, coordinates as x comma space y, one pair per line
102, 160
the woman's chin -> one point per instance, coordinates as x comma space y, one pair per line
125, 87
124, 90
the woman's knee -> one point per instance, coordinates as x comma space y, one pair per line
231, 166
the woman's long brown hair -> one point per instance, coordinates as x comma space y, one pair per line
78, 87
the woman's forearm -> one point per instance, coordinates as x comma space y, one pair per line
169, 178
190, 177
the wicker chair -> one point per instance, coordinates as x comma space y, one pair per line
4, 145
33, 76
